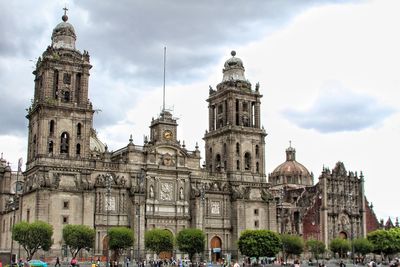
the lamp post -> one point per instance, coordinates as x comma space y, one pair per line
13, 222
282, 194
141, 181
138, 227
108, 194
351, 227
202, 199
14, 207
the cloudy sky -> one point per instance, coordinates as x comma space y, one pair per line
328, 70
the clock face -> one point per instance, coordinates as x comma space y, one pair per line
167, 135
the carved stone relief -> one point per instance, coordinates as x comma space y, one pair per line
215, 207
167, 160
166, 191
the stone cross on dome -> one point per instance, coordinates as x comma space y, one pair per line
65, 17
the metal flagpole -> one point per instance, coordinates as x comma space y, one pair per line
165, 59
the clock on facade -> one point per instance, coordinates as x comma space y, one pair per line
167, 135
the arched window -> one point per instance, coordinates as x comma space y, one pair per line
237, 148
34, 145
67, 96
51, 144
55, 84
51, 128
78, 149
247, 161
220, 123
218, 161
79, 129
237, 165
64, 144
257, 167
257, 151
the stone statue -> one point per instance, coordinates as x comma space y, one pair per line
181, 195
151, 192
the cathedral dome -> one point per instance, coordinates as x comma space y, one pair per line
64, 35
233, 69
291, 171
95, 144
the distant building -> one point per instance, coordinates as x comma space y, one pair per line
72, 178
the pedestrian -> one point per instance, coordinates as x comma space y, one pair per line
74, 262
236, 264
341, 264
57, 262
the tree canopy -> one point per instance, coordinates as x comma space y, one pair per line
158, 240
316, 247
190, 241
120, 238
259, 243
385, 241
33, 236
362, 246
340, 246
78, 237
292, 244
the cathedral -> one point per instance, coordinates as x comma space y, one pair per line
71, 177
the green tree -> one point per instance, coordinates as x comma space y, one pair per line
158, 240
120, 238
190, 241
340, 246
362, 246
78, 237
316, 247
395, 234
292, 244
33, 236
385, 242
259, 243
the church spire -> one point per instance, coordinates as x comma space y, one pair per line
290, 153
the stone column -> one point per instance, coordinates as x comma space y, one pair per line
257, 114
210, 118
362, 208
324, 211
240, 113
231, 111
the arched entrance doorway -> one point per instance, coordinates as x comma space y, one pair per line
166, 254
343, 235
105, 246
216, 251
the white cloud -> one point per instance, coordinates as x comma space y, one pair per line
338, 109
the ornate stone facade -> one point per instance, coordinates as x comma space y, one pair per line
334, 207
72, 178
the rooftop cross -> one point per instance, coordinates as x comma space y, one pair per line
65, 17
65, 10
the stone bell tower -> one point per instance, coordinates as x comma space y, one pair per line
61, 115
235, 142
